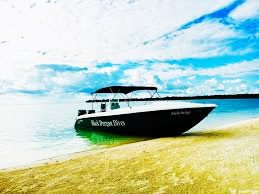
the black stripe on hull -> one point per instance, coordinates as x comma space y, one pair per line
159, 123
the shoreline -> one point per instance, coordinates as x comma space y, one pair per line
93, 151
234, 124
64, 157
216, 160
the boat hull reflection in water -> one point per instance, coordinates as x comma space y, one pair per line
107, 139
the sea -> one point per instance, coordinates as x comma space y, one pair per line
34, 130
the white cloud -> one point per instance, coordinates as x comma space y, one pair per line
192, 77
201, 40
211, 86
79, 32
33, 78
232, 81
145, 76
202, 89
83, 33
103, 70
66, 79
211, 81
162, 75
247, 10
167, 71
177, 82
138, 76
232, 70
214, 87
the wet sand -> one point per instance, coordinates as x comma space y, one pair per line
223, 160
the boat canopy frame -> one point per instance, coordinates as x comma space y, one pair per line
115, 90
122, 89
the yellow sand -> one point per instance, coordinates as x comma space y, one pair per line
219, 161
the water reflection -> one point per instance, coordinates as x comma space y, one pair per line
108, 139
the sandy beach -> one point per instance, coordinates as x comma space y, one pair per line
224, 160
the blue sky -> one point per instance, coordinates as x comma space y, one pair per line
183, 48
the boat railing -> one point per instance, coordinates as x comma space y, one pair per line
114, 101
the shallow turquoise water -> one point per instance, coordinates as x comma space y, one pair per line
228, 111
40, 130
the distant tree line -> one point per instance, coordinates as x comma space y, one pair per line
231, 96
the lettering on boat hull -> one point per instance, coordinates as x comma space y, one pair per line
113, 123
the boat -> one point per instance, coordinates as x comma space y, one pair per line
158, 118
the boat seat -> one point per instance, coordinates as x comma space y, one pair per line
91, 111
103, 107
115, 104
81, 112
